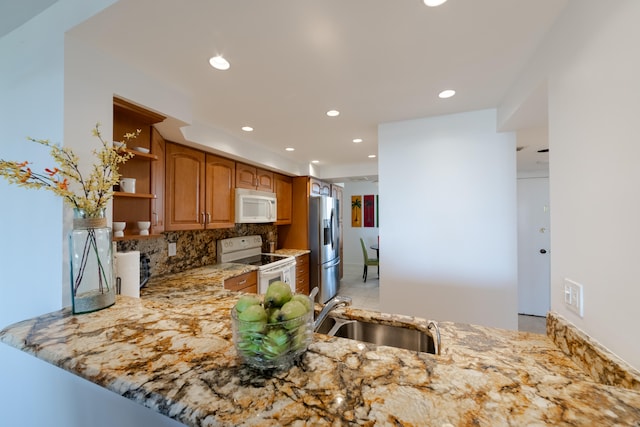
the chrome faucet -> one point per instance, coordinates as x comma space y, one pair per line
434, 328
332, 304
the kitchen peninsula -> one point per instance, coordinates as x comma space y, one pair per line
172, 352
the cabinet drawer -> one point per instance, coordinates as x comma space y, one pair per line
302, 265
247, 282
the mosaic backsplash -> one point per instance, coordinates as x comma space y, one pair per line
195, 248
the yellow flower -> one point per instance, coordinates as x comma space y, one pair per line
93, 193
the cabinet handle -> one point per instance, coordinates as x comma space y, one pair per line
242, 282
208, 217
155, 218
202, 214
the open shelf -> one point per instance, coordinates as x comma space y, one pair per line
134, 195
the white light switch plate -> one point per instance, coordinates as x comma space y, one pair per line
573, 297
172, 249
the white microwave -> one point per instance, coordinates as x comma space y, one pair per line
254, 206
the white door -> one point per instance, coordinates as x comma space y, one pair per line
533, 246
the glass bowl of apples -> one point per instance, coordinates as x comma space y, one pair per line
271, 331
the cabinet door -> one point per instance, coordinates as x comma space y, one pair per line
220, 192
283, 188
185, 180
319, 188
157, 182
246, 176
264, 180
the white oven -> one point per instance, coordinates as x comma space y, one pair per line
284, 272
271, 267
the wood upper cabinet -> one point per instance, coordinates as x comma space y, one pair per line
283, 189
184, 185
219, 192
157, 182
254, 178
319, 188
200, 189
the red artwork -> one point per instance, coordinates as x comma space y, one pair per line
369, 212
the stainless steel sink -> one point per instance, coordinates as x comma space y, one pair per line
376, 333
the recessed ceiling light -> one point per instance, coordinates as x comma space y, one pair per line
315, 161
219, 63
433, 3
357, 140
447, 93
333, 113
372, 156
247, 128
290, 149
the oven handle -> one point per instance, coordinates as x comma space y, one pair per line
280, 267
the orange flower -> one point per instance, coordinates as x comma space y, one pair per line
23, 164
26, 175
63, 185
52, 172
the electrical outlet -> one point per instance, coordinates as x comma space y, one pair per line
573, 297
172, 249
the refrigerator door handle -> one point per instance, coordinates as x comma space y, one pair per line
332, 264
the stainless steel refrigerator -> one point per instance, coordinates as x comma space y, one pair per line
324, 242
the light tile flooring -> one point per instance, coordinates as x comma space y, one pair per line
366, 295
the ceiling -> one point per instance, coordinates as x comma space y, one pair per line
375, 61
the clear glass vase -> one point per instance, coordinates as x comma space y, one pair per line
92, 284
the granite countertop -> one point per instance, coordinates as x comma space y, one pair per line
172, 351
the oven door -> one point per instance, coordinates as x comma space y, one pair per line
282, 273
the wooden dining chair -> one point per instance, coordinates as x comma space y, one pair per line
368, 261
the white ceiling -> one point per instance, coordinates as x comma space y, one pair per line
292, 60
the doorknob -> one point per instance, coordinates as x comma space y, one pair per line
543, 251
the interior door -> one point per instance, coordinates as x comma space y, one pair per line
533, 246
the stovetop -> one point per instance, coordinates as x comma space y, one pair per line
261, 259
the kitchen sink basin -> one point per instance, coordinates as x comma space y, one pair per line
376, 333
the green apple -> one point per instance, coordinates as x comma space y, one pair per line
278, 293
305, 300
246, 301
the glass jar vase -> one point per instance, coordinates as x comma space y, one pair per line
90, 253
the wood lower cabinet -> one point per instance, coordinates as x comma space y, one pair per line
302, 274
254, 178
247, 282
199, 189
283, 189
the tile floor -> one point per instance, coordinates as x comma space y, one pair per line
366, 295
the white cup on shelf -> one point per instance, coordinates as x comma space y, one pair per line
128, 185
143, 227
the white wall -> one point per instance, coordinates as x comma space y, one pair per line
351, 235
448, 238
53, 87
593, 129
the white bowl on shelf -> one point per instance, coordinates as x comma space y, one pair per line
143, 226
118, 228
141, 149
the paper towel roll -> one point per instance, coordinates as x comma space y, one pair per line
127, 268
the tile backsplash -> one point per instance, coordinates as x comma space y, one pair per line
194, 248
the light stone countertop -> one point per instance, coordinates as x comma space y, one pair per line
172, 351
